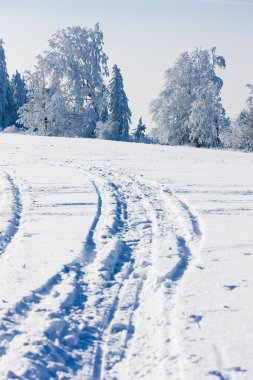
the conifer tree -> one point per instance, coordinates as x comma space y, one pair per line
119, 111
7, 109
139, 132
19, 92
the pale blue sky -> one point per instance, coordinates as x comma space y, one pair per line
144, 37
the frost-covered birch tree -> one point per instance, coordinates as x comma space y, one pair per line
7, 112
66, 91
189, 108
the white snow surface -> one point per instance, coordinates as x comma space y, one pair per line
124, 261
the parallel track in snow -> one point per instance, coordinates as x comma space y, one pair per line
159, 234
59, 334
109, 315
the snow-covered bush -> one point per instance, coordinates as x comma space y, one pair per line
107, 130
14, 129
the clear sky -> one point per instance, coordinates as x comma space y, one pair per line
143, 37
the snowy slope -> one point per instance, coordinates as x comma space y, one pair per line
124, 261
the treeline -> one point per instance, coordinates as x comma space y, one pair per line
66, 95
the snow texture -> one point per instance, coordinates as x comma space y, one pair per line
124, 261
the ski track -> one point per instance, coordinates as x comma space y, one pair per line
96, 318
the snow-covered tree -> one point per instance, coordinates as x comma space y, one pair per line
170, 111
19, 89
139, 132
44, 111
241, 133
7, 109
189, 109
66, 91
207, 119
119, 111
19, 92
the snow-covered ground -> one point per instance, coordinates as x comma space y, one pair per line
124, 261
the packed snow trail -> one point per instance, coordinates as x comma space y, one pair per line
124, 261
42, 213
142, 251
133, 248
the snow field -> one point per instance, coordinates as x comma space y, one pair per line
124, 261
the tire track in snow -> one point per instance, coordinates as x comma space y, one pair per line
168, 271
10, 211
90, 245
144, 275
130, 256
105, 293
59, 334
189, 241
112, 260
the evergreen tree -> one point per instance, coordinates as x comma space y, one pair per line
19, 92
7, 109
139, 132
119, 112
